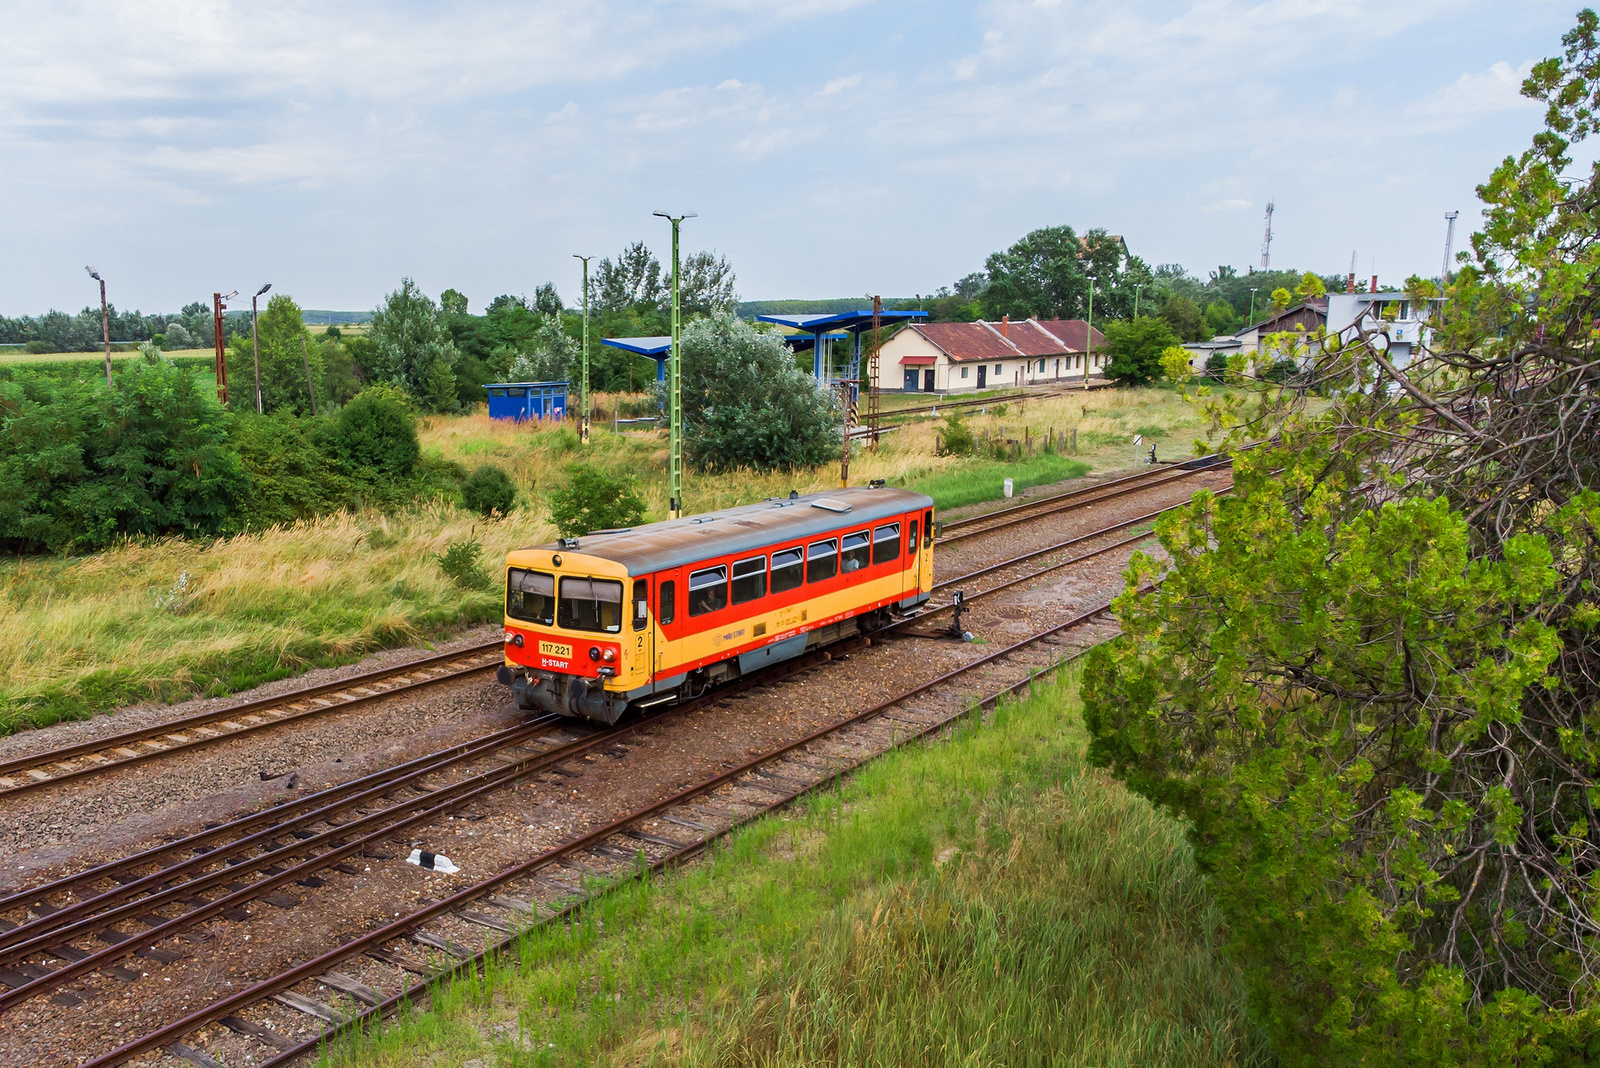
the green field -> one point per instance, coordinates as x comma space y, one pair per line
986, 901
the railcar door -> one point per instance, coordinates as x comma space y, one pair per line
925, 567
669, 627
641, 633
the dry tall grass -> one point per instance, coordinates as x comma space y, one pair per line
84, 635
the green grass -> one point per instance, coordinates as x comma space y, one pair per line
984, 480
990, 900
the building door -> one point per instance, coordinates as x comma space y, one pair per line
927, 380
983, 374
911, 380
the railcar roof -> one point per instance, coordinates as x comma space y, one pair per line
675, 542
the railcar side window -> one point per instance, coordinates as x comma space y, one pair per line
591, 604
787, 570
749, 579
913, 538
641, 603
669, 602
531, 596
708, 590
927, 527
856, 551
886, 544
822, 560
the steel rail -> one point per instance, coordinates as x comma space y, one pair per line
1070, 501
51, 929
30, 765
404, 925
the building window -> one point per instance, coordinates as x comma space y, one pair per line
964, 372
997, 368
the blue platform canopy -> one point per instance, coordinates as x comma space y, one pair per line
801, 342
821, 328
657, 348
527, 400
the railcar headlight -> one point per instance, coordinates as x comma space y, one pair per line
517, 641
510, 637
609, 655
594, 652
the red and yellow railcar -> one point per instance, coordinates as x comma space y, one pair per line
620, 619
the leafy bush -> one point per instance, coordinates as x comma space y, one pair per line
1281, 371
294, 468
488, 490
1217, 366
955, 437
81, 465
460, 562
377, 435
593, 500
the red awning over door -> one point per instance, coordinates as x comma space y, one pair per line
918, 361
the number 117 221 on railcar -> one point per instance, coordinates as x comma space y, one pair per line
621, 619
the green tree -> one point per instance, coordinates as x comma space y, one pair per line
548, 356
1184, 317
412, 350
1281, 299
1310, 287
1221, 318
632, 280
1373, 689
452, 302
706, 287
1136, 347
546, 301
594, 500
746, 404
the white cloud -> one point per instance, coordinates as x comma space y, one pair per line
839, 85
1495, 90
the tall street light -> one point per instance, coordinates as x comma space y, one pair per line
255, 349
675, 383
583, 396
1136, 301
1088, 335
105, 320
1252, 318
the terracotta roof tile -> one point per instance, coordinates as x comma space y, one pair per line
967, 341
1071, 332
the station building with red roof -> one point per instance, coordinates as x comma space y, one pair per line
962, 357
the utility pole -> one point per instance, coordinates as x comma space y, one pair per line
218, 305
255, 348
305, 359
1266, 242
844, 456
105, 320
873, 401
583, 396
1450, 218
1088, 335
675, 383
1136, 302
1252, 318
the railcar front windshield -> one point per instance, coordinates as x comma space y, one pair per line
591, 604
530, 596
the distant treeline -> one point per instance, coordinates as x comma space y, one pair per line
56, 331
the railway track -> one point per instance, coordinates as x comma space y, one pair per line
24, 774
652, 836
53, 767
1040, 507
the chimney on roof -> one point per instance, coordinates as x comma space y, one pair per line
1005, 325
1350, 283
1374, 288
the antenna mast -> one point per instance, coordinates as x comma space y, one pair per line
1266, 242
1449, 244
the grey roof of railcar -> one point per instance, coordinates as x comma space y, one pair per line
676, 542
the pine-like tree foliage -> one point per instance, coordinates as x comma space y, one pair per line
745, 404
412, 349
1370, 677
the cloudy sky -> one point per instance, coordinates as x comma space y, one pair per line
831, 147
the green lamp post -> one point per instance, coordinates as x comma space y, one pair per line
675, 382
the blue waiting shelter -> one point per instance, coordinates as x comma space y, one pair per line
527, 400
657, 348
